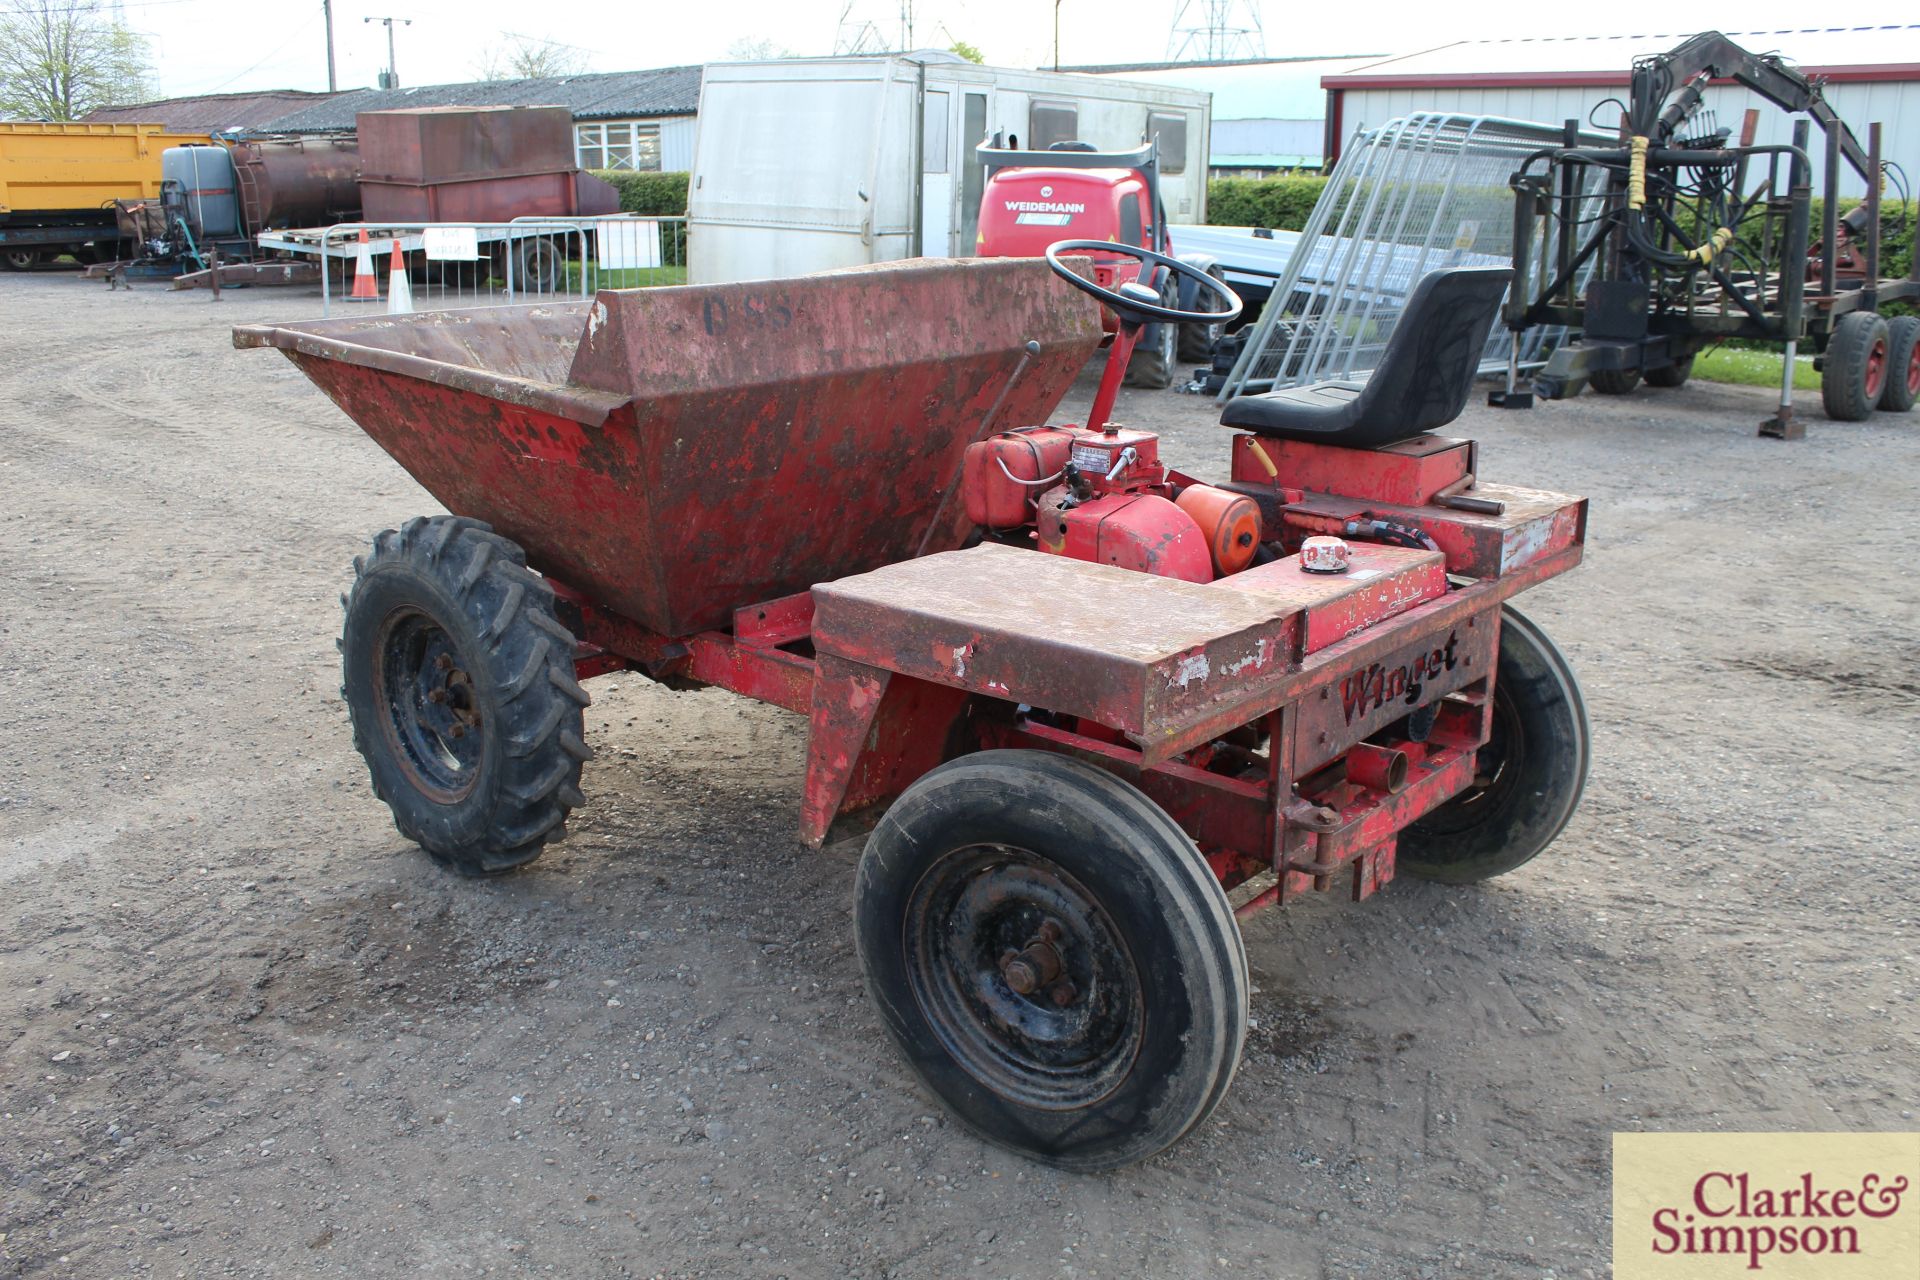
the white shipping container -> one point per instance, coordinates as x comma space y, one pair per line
808, 164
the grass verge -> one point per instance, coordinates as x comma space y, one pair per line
1752, 368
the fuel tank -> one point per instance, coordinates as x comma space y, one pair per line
298, 182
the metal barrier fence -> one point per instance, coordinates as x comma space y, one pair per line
487, 263
1426, 191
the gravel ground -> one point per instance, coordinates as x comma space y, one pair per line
247, 1030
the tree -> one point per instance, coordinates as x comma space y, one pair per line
746, 49
60, 59
529, 59
970, 52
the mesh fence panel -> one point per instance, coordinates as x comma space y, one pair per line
1426, 191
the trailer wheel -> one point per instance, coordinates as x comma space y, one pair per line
1671, 375
1531, 772
1614, 382
538, 267
1855, 371
1053, 958
1197, 340
1903, 365
459, 681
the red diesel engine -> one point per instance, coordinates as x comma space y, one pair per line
1104, 496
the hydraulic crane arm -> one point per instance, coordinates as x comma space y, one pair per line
1692, 64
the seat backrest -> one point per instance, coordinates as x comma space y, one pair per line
1427, 370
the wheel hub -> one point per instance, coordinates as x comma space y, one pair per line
429, 708
1039, 965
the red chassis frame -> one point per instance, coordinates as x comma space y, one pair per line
1318, 806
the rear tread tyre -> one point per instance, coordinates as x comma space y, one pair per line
1138, 1040
1538, 761
1615, 382
1903, 365
1671, 375
445, 627
1850, 387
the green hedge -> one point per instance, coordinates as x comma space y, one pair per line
659, 195
1282, 204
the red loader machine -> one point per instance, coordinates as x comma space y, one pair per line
1694, 238
1070, 191
1100, 696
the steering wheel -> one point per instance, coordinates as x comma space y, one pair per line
1133, 301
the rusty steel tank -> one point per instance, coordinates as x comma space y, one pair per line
297, 182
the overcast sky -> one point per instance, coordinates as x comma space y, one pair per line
209, 46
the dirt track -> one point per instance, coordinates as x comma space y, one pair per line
245, 1029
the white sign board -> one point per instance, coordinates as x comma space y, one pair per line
623, 244
451, 244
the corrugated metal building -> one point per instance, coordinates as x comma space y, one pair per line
212, 112
1871, 73
1268, 114
621, 119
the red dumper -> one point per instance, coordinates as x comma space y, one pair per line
1108, 708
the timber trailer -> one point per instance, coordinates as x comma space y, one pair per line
1680, 252
1100, 695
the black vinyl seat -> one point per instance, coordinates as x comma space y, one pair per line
1422, 380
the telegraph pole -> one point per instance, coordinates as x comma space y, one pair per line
393, 75
326, 7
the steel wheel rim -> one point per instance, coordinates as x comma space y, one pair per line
1876, 369
437, 740
1071, 1040
1913, 370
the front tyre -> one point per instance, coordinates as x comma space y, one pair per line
459, 681
1197, 340
1053, 957
1531, 771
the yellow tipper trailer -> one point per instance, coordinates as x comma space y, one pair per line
81, 166
58, 183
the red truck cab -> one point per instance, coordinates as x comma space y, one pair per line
1034, 199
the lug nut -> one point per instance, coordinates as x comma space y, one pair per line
1021, 977
1065, 993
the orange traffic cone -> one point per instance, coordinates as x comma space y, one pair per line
366, 286
399, 289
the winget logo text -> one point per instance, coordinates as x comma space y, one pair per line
1368, 690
